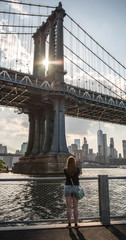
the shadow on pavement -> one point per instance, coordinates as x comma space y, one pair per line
117, 232
79, 234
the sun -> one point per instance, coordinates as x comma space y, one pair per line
45, 62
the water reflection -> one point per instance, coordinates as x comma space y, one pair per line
34, 200
31, 200
47, 200
117, 189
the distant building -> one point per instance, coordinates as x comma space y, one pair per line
100, 142
91, 151
85, 148
91, 155
22, 151
7, 159
124, 148
17, 152
24, 147
3, 149
72, 148
69, 149
77, 142
105, 149
115, 153
102, 146
15, 159
78, 154
111, 148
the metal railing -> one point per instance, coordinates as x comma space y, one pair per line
35, 200
117, 198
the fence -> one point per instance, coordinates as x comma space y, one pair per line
33, 200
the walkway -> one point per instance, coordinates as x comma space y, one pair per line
59, 232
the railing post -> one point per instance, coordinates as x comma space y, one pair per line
104, 207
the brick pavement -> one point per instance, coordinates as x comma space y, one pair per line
112, 232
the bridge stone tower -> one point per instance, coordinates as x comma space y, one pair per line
47, 150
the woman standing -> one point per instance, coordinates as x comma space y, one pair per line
71, 171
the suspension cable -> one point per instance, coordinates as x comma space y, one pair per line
19, 33
28, 4
93, 68
91, 76
95, 41
24, 14
18, 26
95, 54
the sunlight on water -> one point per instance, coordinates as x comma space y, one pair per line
94, 172
34, 200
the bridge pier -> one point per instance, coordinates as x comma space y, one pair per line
46, 164
47, 150
59, 140
31, 133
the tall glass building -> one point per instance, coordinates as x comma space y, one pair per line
77, 142
124, 148
102, 146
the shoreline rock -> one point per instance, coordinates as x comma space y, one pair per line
3, 170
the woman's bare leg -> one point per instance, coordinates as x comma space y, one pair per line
69, 208
75, 209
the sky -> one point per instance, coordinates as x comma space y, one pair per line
105, 21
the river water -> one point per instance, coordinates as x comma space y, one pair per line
35, 200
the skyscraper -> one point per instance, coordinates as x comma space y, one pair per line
73, 148
77, 142
100, 142
102, 146
124, 148
111, 148
85, 148
24, 147
105, 149
3, 149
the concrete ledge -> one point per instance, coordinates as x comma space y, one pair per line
57, 226
87, 231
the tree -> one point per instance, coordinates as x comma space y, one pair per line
2, 164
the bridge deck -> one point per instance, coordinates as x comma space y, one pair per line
19, 90
60, 232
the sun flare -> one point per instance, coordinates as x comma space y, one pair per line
45, 62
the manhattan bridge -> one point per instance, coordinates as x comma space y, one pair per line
51, 67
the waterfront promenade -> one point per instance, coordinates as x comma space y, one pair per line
27, 202
87, 231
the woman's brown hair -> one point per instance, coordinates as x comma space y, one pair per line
71, 165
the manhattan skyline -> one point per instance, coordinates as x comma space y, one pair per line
90, 147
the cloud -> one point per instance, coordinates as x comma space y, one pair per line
76, 126
18, 8
109, 126
13, 42
79, 128
13, 128
15, 49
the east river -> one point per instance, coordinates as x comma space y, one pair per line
35, 200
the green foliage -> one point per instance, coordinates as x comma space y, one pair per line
2, 164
